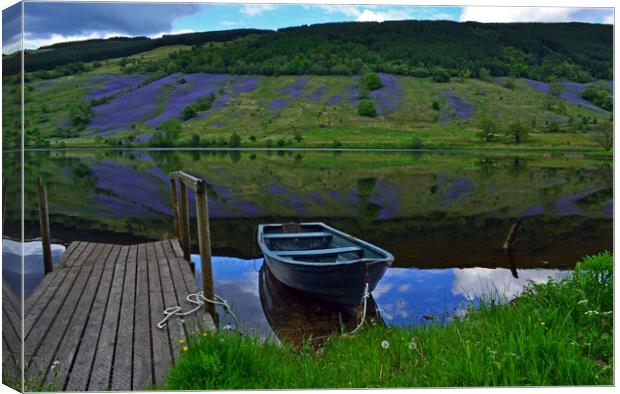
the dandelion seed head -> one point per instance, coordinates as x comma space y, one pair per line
385, 344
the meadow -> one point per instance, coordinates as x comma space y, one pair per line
106, 107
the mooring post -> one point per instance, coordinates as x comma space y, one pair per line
3, 202
45, 227
204, 244
174, 203
184, 225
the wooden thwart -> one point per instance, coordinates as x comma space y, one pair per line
92, 322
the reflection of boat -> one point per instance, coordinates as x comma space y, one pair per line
322, 261
294, 317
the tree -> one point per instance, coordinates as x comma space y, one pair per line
488, 129
189, 112
518, 131
366, 108
235, 140
371, 81
195, 140
604, 135
485, 75
440, 75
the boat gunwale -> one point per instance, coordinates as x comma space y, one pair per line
387, 259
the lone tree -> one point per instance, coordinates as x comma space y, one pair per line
366, 108
371, 81
488, 129
518, 131
604, 135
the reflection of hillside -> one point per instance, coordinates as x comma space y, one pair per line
424, 242
429, 209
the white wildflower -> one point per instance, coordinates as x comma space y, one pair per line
385, 344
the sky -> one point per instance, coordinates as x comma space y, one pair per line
47, 23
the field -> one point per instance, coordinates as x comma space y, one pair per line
104, 107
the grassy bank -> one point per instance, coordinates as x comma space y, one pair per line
558, 333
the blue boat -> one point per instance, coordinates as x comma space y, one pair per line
323, 262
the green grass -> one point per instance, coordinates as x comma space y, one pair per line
415, 123
558, 333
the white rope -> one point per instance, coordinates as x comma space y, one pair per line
199, 299
366, 296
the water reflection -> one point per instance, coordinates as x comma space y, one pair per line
404, 297
295, 317
33, 264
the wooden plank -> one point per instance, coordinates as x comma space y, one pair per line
175, 328
177, 248
123, 354
51, 306
11, 338
49, 286
98, 296
71, 343
73, 247
162, 357
60, 322
142, 356
104, 357
190, 323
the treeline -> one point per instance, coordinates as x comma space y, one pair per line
59, 56
542, 51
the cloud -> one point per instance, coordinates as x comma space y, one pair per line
367, 13
474, 283
535, 14
228, 23
49, 22
11, 29
256, 9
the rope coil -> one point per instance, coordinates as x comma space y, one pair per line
199, 299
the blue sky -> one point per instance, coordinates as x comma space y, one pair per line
48, 23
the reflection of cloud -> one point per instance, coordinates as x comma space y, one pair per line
484, 282
381, 289
404, 288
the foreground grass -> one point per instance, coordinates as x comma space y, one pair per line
558, 333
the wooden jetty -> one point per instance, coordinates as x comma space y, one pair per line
92, 322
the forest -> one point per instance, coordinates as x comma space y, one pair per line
542, 51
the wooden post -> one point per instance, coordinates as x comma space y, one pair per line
204, 243
184, 225
175, 206
45, 227
512, 234
3, 202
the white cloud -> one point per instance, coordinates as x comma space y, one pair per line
367, 13
474, 283
54, 38
228, 23
526, 14
34, 43
609, 19
256, 9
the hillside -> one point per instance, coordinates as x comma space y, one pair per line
106, 107
543, 51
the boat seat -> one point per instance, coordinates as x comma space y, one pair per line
318, 252
296, 235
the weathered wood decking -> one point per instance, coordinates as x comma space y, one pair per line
11, 331
91, 323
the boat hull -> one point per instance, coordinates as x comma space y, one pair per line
341, 284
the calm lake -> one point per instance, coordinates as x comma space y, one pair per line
443, 215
